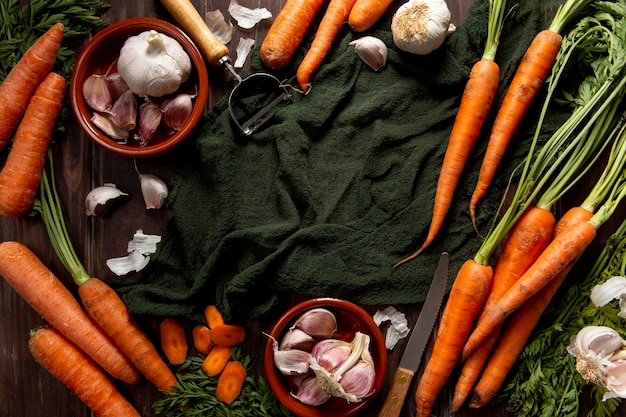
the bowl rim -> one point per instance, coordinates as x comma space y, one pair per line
377, 348
138, 24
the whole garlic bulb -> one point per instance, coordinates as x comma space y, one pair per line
421, 26
153, 64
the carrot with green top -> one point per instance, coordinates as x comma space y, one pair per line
526, 83
334, 18
102, 303
21, 173
522, 323
43, 291
474, 107
70, 365
20, 84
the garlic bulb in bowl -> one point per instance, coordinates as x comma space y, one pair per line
421, 26
153, 64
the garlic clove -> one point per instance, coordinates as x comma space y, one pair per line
150, 115
124, 111
290, 362
297, 339
371, 50
103, 122
96, 93
317, 322
334, 356
154, 190
100, 199
310, 392
177, 110
117, 86
359, 380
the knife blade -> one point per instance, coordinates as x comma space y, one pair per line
412, 356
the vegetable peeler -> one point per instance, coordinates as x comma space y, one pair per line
248, 91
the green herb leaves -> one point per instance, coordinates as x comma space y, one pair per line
195, 395
21, 25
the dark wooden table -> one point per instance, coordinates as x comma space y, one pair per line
28, 390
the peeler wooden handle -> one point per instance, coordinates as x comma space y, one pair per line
190, 20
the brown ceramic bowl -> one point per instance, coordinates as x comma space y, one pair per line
99, 56
350, 319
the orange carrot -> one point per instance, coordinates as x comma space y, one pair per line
230, 382
528, 79
216, 360
475, 104
228, 334
287, 31
173, 341
365, 13
471, 370
202, 338
109, 311
20, 176
467, 296
527, 239
38, 286
70, 365
565, 247
22, 81
213, 316
521, 324
335, 16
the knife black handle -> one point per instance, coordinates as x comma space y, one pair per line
397, 393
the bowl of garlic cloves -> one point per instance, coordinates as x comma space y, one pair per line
325, 357
139, 87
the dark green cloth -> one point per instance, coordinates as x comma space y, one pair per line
325, 199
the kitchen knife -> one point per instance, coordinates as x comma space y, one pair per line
412, 355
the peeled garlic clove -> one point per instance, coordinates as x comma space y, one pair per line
154, 190
176, 110
310, 392
124, 111
371, 50
103, 122
96, 93
150, 115
100, 199
317, 322
297, 339
359, 380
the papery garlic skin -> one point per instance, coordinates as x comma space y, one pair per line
153, 64
98, 200
371, 50
421, 26
598, 352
